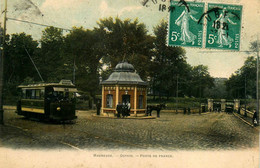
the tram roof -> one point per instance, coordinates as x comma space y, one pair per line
62, 83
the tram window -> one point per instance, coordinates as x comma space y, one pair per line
37, 94
109, 101
33, 94
55, 94
23, 94
28, 94
42, 94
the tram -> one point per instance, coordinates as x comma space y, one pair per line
52, 101
229, 107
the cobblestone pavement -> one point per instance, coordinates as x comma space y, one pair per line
170, 132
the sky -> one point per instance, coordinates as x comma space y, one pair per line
85, 13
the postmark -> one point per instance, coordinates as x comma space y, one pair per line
223, 26
184, 29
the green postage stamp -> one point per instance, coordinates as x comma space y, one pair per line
222, 25
184, 29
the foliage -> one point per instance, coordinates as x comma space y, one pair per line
94, 53
200, 80
18, 65
125, 40
242, 84
84, 47
166, 63
219, 91
51, 55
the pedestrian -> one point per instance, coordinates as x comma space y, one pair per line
158, 112
98, 105
184, 110
119, 110
188, 110
149, 110
128, 108
255, 122
124, 110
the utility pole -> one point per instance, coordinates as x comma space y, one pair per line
74, 72
200, 91
245, 97
2, 42
257, 79
1, 78
177, 90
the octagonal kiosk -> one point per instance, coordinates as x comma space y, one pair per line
123, 86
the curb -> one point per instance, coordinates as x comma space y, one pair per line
139, 118
243, 120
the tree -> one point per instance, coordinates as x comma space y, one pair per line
242, 83
200, 80
51, 56
219, 91
125, 40
18, 65
168, 64
85, 48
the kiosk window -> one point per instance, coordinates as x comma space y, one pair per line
141, 98
109, 101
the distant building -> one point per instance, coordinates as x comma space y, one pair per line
220, 80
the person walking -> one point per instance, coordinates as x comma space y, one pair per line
98, 105
119, 110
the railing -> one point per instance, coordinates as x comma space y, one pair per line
247, 113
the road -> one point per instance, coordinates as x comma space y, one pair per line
169, 132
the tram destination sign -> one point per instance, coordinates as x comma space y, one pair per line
184, 29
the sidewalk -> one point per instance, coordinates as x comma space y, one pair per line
246, 120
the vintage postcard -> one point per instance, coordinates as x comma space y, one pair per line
129, 83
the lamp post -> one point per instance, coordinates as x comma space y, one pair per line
200, 91
2, 33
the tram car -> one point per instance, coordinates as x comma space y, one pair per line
51, 101
229, 107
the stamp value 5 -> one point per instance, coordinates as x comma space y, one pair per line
184, 29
